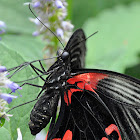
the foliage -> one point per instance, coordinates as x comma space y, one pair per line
92, 8
115, 47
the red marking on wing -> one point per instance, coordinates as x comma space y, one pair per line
81, 83
46, 136
85, 81
67, 136
68, 98
91, 78
110, 129
104, 138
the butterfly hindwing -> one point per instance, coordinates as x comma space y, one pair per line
108, 111
86, 118
121, 95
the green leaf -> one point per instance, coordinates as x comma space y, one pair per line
69, 9
19, 46
4, 134
82, 9
21, 114
15, 15
2, 121
116, 45
29, 47
19, 30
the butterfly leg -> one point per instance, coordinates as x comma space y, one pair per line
25, 103
20, 105
41, 66
34, 85
26, 64
36, 70
31, 85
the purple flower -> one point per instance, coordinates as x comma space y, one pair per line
2, 24
36, 21
67, 25
3, 69
36, 33
7, 97
59, 32
59, 4
36, 4
2, 31
13, 86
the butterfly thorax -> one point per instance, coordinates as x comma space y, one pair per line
61, 73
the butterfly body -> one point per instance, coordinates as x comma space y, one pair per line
94, 103
42, 112
45, 107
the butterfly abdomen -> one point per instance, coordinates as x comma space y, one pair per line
42, 112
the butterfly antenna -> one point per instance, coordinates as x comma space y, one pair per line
46, 26
85, 38
91, 35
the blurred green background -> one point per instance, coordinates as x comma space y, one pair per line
116, 46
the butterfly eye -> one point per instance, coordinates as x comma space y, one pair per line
65, 55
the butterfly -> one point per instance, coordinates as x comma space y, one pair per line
94, 104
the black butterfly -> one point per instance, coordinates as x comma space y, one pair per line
95, 104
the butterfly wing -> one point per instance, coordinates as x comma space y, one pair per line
121, 95
85, 118
100, 105
77, 49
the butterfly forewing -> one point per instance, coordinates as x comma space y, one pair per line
77, 49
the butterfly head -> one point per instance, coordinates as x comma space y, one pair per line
64, 55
